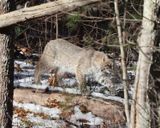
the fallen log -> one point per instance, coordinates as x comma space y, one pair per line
50, 8
109, 111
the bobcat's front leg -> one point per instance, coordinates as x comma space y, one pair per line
58, 77
81, 81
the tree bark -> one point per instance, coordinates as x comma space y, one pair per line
154, 91
42, 10
6, 70
140, 111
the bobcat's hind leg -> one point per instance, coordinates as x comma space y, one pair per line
43, 66
37, 73
39, 70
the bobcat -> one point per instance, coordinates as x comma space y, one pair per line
60, 56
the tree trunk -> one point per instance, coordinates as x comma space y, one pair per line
140, 111
154, 91
6, 71
124, 68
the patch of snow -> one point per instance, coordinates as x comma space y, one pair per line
26, 72
23, 63
28, 83
37, 121
16, 122
72, 90
113, 98
69, 82
67, 90
52, 112
44, 122
89, 117
132, 72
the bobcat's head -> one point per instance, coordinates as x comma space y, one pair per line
102, 62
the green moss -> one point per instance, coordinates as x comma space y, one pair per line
72, 21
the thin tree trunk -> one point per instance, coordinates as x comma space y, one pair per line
124, 69
57, 26
140, 111
6, 71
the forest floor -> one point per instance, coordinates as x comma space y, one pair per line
61, 107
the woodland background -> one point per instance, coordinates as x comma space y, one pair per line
118, 28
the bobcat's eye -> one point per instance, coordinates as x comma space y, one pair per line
109, 66
103, 59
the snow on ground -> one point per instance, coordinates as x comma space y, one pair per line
92, 119
53, 120
114, 98
25, 79
36, 122
52, 112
